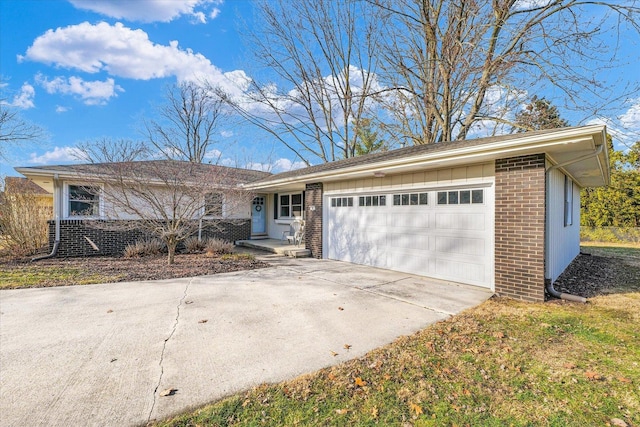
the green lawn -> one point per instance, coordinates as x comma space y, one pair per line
627, 251
504, 363
35, 276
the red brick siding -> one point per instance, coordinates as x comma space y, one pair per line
313, 219
520, 227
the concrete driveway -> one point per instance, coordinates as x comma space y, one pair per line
102, 354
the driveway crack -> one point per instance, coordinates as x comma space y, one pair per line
164, 347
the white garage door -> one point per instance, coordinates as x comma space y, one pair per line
447, 234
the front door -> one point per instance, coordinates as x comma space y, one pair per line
258, 216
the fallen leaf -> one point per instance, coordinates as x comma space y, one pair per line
168, 392
624, 380
245, 403
188, 302
341, 411
113, 360
331, 376
340, 308
592, 375
569, 365
415, 408
203, 321
374, 412
347, 346
109, 311
466, 392
618, 422
360, 382
334, 354
498, 335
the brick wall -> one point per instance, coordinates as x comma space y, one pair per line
111, 242
313, 221
520, 227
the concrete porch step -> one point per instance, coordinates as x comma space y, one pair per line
276, 246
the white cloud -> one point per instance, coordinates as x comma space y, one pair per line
149, 10
92, 93
61, 109
23, 99
123, 52
280, 165
226, 133
631, 117
214, 13
58, 155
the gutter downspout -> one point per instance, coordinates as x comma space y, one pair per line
56, 208
549, 285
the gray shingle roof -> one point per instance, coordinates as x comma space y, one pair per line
154, 169
406, 152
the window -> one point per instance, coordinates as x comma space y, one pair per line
84, 201
213, 204
339, 202
410, 199
372, 201
291, 205
568, 201
461, 197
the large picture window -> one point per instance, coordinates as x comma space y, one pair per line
290, 205
84, 201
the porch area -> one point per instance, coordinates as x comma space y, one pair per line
281, 247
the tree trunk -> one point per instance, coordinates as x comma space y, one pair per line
171, 252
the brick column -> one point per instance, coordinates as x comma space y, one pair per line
313, 219
520, 227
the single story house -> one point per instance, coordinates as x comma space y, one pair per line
500, 212
95, 206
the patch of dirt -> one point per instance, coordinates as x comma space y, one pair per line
591, 275
114, 269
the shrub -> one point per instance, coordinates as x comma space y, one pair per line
194, 245
23, 219
215, 246
144, 248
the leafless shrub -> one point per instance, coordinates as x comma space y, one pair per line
142, 248
215, 246
23, 219
193, 245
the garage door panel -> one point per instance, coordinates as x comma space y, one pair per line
461, 221
450, 242
460, 245
472, 273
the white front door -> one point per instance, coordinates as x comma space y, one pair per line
447, 233
258, 216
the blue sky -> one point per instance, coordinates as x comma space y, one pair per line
87, 69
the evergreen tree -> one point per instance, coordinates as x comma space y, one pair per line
537, 115
367, 140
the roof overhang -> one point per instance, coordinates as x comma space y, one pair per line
562, 147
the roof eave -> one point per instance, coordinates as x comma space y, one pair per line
522, 145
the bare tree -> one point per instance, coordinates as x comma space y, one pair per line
451, 66
320, 61
14, 129
166, 199
187, 123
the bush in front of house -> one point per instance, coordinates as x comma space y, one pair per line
194, 245
145, 247
215, 246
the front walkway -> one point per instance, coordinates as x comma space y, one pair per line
103, 354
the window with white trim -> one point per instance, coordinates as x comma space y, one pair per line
411, 199
341, 202
372, 200
213, 204
568, 201
461, 197
83, 200
290, 205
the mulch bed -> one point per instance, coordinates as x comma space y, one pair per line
590, 275
132, 269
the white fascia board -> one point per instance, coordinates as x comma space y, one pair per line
593, 135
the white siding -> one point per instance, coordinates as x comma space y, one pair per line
562, 242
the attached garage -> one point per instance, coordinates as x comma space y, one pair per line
446, 233
499, 212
